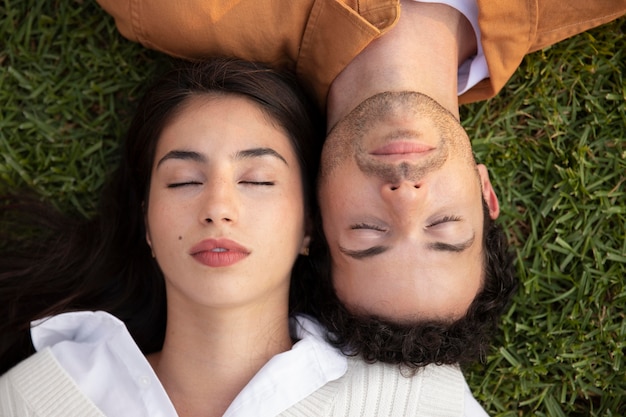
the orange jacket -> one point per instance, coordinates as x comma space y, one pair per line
318, 38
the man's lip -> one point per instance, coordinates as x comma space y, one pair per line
218, 252
402, 148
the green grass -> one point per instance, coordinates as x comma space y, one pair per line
68, 83
554, 141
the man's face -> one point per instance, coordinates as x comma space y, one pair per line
402, 206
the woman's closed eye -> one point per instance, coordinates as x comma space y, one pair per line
253, 183
183, 184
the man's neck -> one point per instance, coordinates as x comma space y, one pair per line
421, 53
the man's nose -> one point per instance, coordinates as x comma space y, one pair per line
404, 196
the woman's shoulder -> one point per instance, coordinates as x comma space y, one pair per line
373, 389
428, 390
34, 386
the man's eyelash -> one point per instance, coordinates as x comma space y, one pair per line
360, 226
445, 219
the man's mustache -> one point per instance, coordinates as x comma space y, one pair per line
404, 170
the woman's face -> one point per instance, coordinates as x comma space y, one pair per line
225, 214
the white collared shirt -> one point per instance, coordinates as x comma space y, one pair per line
98, 353
474, 69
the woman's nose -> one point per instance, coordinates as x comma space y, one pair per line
220, 203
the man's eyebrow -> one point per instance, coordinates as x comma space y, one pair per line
437, 246
259, 152
448, 247
184, 155
364, 253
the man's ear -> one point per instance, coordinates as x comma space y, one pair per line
488, 193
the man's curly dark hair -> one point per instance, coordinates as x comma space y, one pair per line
415, 344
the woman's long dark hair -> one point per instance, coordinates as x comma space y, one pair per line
52, 263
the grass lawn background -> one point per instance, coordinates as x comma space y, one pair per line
554, 141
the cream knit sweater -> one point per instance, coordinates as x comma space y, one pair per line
39, 386
381, 390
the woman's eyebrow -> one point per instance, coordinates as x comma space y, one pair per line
184, 155
259, 152
243, 154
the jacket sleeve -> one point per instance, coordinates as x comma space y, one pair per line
511, 29
316, 38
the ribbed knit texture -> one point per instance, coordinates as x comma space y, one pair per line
381, 390
39, 387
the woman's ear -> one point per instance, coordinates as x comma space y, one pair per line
147, 227
489, 195
304, 250
148, 239
308, 231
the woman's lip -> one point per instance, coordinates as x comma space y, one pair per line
402, 148
218, 252
219, 259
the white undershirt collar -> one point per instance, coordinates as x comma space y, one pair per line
99, 354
